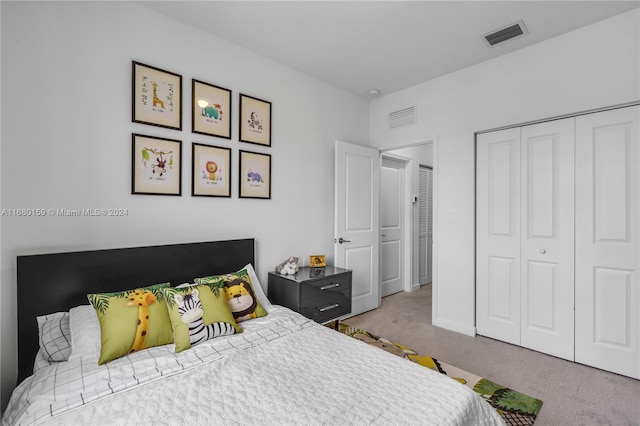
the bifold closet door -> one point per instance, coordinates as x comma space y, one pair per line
608, 241
547, 237
498, 235
524, 236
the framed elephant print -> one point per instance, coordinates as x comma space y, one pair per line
210, 110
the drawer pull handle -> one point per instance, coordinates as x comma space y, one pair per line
329, 307
327, 287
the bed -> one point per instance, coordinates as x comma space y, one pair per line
279, 368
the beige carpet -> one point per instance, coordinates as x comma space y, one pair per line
573, 394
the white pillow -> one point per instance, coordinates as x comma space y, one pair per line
54, 336
85, 333
183, 285
257, 287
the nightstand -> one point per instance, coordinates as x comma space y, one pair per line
321, 294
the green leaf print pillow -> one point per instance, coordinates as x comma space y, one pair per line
241, 297
131, 321
199, 313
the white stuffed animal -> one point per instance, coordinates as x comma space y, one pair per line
288, 267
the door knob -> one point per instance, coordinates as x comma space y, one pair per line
542, 251
342, 240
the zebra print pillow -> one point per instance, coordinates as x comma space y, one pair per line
199, 313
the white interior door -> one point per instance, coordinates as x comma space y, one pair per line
357, 229
547, 237
608, 241
392, 231
498, 235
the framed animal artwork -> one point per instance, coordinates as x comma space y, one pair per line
156, 97
210, 110
255, 120
254, 175
211, 171
156, 165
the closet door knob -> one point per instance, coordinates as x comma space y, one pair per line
542, 251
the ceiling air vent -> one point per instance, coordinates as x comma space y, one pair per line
402, 117
506, 33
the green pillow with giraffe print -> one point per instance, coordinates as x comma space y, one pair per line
199, 313
131, 321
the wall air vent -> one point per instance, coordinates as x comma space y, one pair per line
402, 117
514, 30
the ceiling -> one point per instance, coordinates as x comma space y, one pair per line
383, 45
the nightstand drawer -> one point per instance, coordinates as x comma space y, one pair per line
320, 288
328, 306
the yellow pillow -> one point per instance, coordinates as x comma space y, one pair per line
241, 298
131, 321
199, 313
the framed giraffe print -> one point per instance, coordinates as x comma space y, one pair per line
157, 97
156, 165
255, 120
210, 110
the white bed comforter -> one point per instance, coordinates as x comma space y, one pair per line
284, 369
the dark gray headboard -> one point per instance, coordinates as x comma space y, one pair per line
57, 282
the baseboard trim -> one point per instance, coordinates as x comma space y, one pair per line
454, 326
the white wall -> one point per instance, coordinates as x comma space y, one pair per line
592, 67
66, 141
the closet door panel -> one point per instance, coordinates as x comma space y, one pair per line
547, 237
608, 241
498, 235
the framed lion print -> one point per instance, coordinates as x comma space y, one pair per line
211, 171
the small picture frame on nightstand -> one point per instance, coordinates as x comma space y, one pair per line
317, 261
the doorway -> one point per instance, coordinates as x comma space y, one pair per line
357, 216
416, 156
